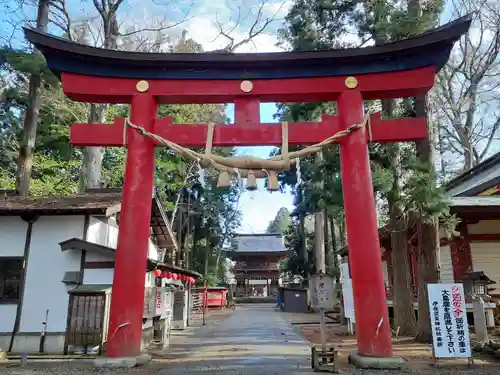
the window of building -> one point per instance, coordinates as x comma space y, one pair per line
10, 279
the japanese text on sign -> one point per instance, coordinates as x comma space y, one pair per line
449, 321
322, 292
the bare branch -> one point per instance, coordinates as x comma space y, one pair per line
260, 23
467, 90
156, 29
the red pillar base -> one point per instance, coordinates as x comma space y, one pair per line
365, 259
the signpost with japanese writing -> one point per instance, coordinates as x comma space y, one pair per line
322, 294
450, 331
321, 287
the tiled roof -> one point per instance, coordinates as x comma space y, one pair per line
76, 203
251, 243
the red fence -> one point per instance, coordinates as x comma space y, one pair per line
215, 297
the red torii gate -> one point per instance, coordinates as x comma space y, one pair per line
349, 76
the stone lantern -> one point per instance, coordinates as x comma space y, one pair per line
476, 285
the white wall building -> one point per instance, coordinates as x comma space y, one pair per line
54, 248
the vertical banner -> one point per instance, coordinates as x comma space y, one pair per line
347, 292
159, 301
450, 330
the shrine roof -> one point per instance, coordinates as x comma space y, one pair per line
477, 180
428, 49
259, 243
477, 201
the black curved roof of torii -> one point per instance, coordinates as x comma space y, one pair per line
428, 49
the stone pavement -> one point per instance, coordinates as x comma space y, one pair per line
254, 340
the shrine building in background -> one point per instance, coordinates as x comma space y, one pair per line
257, 260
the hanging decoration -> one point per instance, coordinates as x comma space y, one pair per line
201, 175
249, 167
251, 181
157, 273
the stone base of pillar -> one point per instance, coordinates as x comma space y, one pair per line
384, 363
122, 362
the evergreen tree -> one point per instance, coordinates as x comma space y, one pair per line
280, 223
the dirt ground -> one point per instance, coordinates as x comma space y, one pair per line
418, 356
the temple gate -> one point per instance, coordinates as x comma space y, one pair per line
349, 76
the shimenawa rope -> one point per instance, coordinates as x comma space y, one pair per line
248, 165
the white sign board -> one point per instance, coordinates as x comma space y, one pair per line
347, 293
159, 301
322, 292
450, 331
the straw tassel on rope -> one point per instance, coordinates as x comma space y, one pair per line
251, 181
272, 181
224, 180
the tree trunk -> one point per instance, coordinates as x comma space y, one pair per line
428, 239
217, 260
207, 251
342, 232
333, 236
302, 227
303, 240
441, 153
319, 232
90, 175
28, 136
328, 248
428, 233
189, 236
404, 313
319, 242
179, 258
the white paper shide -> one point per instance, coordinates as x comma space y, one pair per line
450, 331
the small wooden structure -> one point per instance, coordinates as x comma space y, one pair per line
88, 316
324, 359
